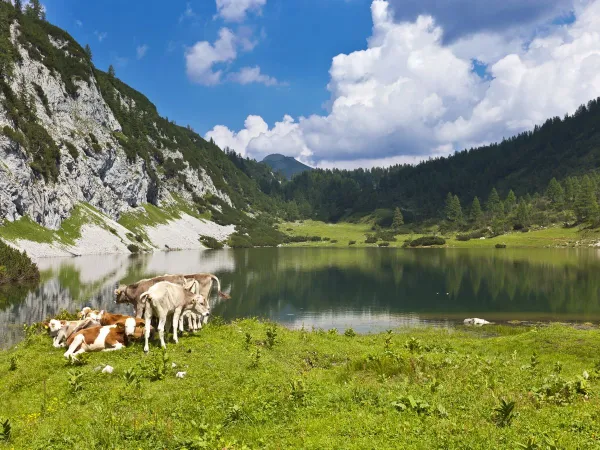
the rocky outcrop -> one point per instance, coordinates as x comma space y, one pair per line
101, 176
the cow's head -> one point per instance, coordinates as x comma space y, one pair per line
55, 325
121, 294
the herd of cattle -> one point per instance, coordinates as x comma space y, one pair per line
178, 297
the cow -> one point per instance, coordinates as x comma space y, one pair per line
104, 338
205, 281
194, 320
61, 330
164, 298
88, 312
131, 293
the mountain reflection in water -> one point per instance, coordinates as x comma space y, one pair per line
366, 289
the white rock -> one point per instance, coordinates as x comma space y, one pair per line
476, 321
108, 369
180, 374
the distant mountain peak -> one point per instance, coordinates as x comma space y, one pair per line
285, 164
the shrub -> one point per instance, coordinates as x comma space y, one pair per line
133, 248
16, 266
139, 238
211, 242
351, 242
463, 237
500, 245
384, 244
371, 239
334, 241
238, 241
426, 241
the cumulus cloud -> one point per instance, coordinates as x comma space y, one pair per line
203, 56
141, 51
409, 95
497, 15
248, 75
79, 23
236, 10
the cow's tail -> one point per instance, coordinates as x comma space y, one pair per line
222, 295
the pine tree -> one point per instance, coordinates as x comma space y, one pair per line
494, 204
19, 6
522, 217
111, 71
398, 219
555, 193
586, 204
34, 10
571, 188
476, 213
510, 202
88, 51
453, 210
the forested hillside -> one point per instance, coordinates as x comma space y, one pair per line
524, 164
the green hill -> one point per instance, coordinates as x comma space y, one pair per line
285, 164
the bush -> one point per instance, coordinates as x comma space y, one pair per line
211, 242
463, 237
500, 245
133, 248
16, 266
351, 242
334, 241
427, 241
384, 244
238, 241
371, 239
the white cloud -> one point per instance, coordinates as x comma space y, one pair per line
201, 58
236, 10
248, 75
79, 23
100, 35
141, 51
409, 95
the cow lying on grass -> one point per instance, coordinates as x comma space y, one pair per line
105, 338
61, 330
164, 298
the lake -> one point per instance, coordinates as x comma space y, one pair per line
368, 289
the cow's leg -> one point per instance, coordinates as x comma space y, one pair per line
176, 315
192, 322
76, 343
147, 319
161, 330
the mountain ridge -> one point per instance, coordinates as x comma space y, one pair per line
285, 164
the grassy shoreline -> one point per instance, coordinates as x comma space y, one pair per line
343, 233
413, 388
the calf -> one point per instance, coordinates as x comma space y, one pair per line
61, 330
88, 312
164, 298
104, 338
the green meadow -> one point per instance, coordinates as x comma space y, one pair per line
251, 384
342, 233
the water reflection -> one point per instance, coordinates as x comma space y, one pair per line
366, 289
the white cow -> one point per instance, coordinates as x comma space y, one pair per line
164, 298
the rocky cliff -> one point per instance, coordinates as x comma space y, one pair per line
72, 134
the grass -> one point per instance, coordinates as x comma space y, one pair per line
345, 232
68, 233
253, 385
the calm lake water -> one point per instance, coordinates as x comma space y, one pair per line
366, 289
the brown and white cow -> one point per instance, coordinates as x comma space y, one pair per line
131, 293
61, 330
104, 338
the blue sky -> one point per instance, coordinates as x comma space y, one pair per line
348, 83
296, 41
